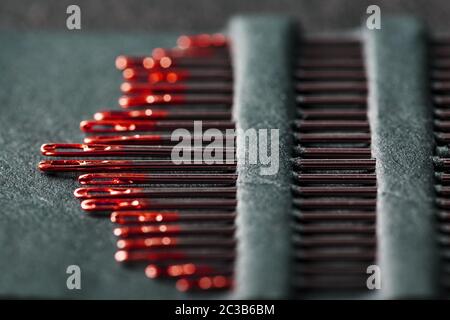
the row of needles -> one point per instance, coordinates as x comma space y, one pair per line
334, 181
174, 219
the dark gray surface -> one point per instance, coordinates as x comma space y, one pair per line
49, 83
402, 140
263, 100
188, 16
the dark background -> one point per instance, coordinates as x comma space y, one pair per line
198, 15
52, 78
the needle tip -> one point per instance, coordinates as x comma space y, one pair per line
125, 88
114, 217
118, 232
182, 285
128, 73
121, 62
121, 256
121, 244
123, 101
148, 63
152, 271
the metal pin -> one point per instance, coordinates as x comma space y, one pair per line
336, 215
106, 126
441, 101
316, 52
329, 47
355, 268
333, 114
442, 125
440, 86
193, 52
444, 178
340, 255
146, 256
331, 87
334, 191
442, 137
326, 43
176, 75
91, 150
331, 241
440, 75
442, 115
218, 40
319, 204
130, 165
330, 75
443, 203
321, 125
442, 190
344, 283
146, 139
205, 283
147, 178
149, 88
443, 151
333, 63
118, 192
151, 114
174, 99
445, 228
133, 217
334, 153
444, 215
333, 137
112, 204
331, 100
163, 229
173, 242
333, 164
336, 178
185, 270
166, 62
441, 163
335, 229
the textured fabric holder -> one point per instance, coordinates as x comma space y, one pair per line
402, 137
263, 100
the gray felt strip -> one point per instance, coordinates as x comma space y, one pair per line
402, 137
263, 100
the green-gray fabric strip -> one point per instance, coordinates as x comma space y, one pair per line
402, 138
263, 100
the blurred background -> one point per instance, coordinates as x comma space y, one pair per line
203, 15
